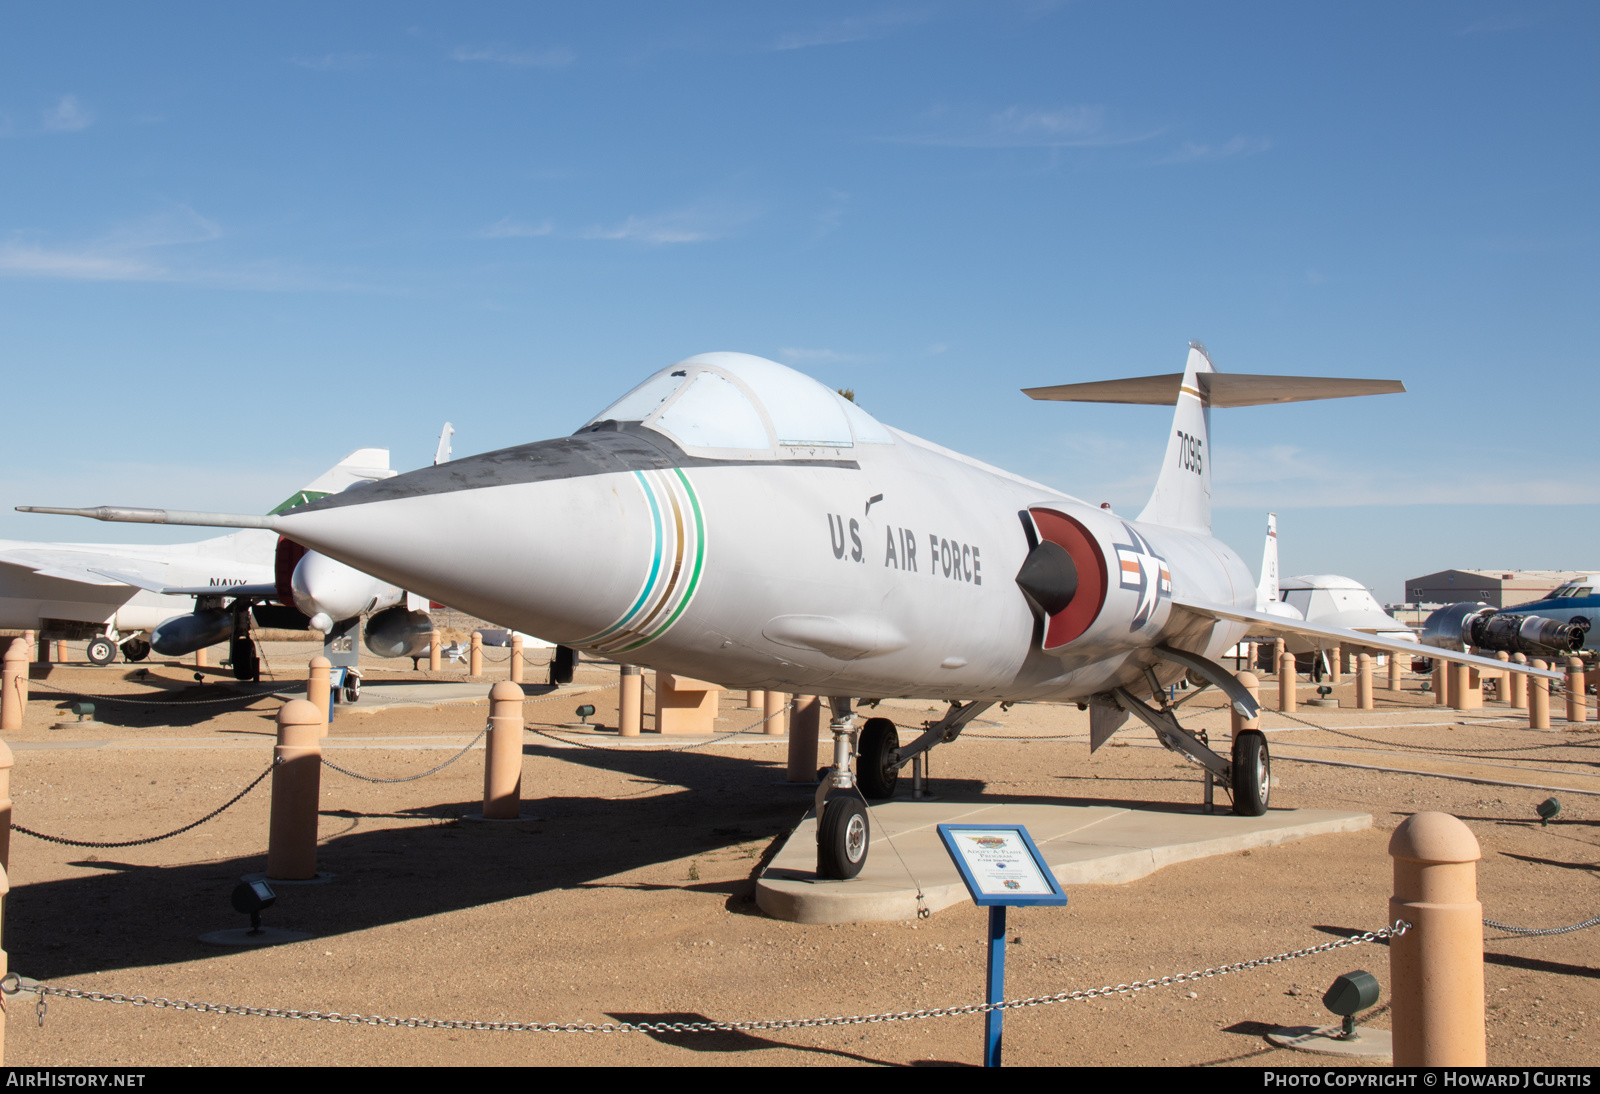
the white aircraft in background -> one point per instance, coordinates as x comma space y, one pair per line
1328, 599
733, 520
1269, 599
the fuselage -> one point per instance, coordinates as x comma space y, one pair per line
864, 562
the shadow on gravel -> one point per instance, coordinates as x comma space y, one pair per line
121, 914
731, 1040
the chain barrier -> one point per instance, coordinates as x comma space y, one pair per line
254, 695
408, 778
151, 839
11, 985
1416, 748
1542, 931
678, 748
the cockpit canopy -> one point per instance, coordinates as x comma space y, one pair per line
734, 404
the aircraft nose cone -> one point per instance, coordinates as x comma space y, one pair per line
604, 561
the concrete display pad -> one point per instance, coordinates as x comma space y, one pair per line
379, 695
1086, 842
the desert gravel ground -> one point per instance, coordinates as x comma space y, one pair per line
629, 897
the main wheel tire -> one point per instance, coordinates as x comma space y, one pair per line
101, 650
352, 690
843, 835
136, 649
876, 777
1252, 774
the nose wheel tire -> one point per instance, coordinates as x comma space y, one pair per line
135, 649
843, 834
101, 650
1252, 774
874, 775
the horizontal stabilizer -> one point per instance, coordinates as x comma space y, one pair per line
158, 516
1277, 626
1221, 389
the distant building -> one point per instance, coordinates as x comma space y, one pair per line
1498, 588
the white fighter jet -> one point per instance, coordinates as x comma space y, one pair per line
733, 520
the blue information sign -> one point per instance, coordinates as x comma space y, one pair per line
1001, 867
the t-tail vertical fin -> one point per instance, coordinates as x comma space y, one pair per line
1182, 497
1267, 591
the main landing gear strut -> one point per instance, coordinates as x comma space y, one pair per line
1247, 774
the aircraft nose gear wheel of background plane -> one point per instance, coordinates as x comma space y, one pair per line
101, 650
875, 776
1252, 774
352, 687
136, 649
842, 837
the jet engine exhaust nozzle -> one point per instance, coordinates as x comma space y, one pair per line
1476, 624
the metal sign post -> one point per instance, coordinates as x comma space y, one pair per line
1001, 867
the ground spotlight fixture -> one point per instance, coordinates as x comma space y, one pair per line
1548, 810
200, 677
1351, 993
585, 712
1324, 691
251, 897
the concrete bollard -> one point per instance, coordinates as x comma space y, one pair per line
200, 660
1364, 681
1455, 676
6, 760
13, 685
433, 652
1252, 684
475, 656
1394, 670
804, 725
296, 793
755, 700
5, 965
1441, 682
630, 702
1502, 682
1286, 682
502, 766
516, 659
1472, 689
772, 704
1436, 967
1517, 684
1577, 691
1336, 666
1538, 698
319, 688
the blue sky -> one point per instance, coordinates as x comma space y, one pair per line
236, 244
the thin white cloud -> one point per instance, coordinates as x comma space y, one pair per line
801, 355
516, 58
66, 116
696, 224
516, 229
859, 28
1069, 126
26, 260
1194, 152
161, 247
333, 62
